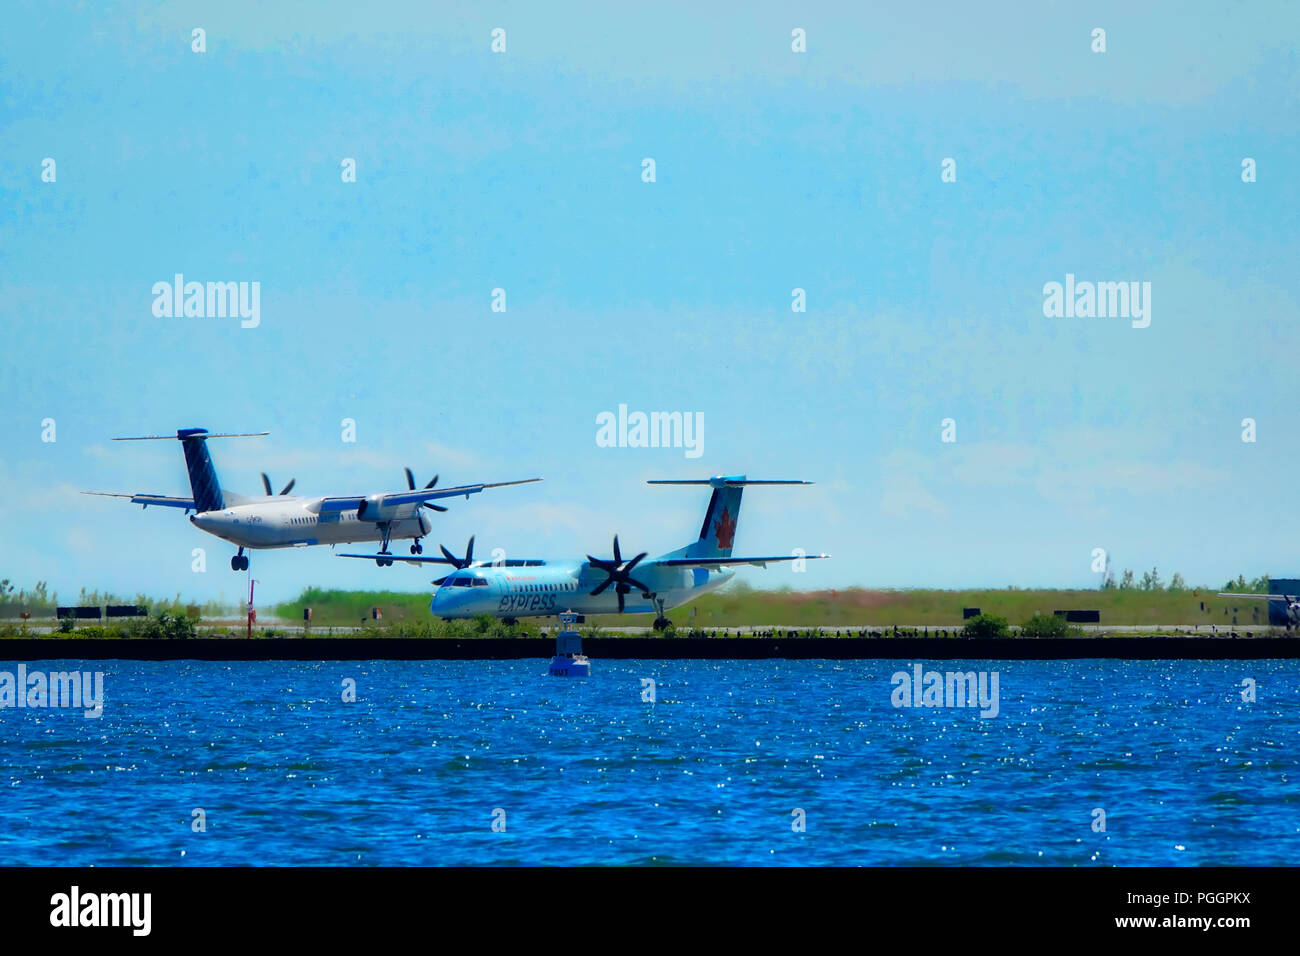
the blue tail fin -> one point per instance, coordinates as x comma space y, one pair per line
718, 532
203, 477
719, 528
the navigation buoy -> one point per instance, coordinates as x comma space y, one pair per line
569, 661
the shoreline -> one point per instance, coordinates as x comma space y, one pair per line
653, 648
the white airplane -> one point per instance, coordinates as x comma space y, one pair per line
532, 587
292, 521
1292, 605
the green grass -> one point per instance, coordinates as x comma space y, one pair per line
350, 608
742, 606
739, 605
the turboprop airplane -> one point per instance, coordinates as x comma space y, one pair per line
1292, 605
533, 587
293, 521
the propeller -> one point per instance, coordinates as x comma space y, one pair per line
618, 573
456, 562
266, 483
410, 483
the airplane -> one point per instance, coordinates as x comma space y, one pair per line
294, 521
533, 587
1292, 604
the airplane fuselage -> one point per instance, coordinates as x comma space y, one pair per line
284, 522
548, 588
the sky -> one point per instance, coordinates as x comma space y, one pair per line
774, 170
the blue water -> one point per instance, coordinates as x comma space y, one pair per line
586, 772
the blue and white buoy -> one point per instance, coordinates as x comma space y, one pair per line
569, 661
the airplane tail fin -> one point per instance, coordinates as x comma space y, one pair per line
718, 532
203, 476
198, 462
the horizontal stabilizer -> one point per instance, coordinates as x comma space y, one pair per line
723, 481
724, 562
413, 559
162, 501
418, 559
198, 431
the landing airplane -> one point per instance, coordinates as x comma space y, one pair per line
1292, 604
532, 587
293, 521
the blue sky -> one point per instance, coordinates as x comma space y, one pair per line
775, 170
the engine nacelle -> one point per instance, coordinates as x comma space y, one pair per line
372, 509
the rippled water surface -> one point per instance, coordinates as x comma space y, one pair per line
711, 772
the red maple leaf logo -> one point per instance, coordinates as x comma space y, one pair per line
725, 528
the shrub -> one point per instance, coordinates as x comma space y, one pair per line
986, 625
1046, 625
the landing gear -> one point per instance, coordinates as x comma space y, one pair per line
239, 562
416, 547
509, 621
385, 535
661, 622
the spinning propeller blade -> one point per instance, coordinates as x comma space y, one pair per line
410, 484
456, 562
618, 573
266, 483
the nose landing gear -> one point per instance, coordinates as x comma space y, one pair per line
239, 562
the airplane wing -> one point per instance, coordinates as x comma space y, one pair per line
392, 499
1256, 597
761, 562
146, 500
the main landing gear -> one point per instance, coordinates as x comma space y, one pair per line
416, 547
660, 622
239, 562
385, 535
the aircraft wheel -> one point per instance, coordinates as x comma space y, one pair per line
509, 621
234, 562
661, 623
